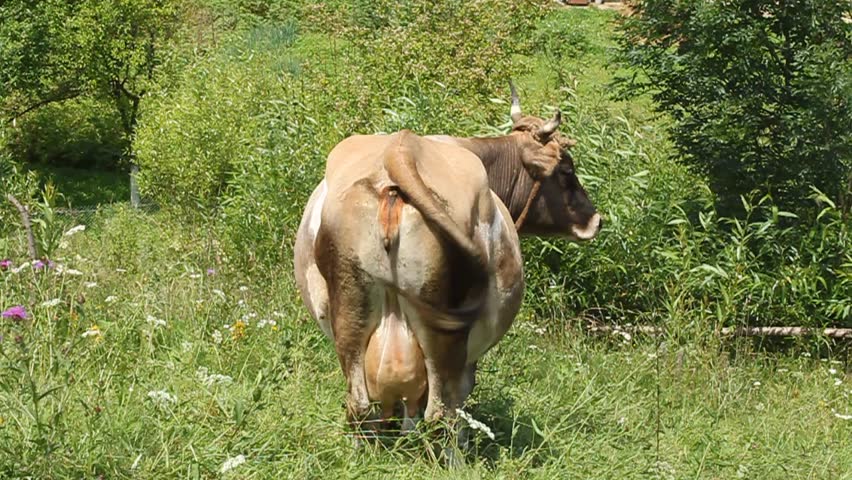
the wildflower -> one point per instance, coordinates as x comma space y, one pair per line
186, 346
16, 313
194, 275
243, 288
90, 284
73, 230
832, 371
68, 271
211, 379
219, 293
162, 398
837, 382
264, 322
51, 303
199, 301
238, 331
155, 322
211, 272
475, 424
110, 299
217, 337
120, 270
20, 267
41, 264
5, 264
232, 463
841, 416
93, 331
756, 384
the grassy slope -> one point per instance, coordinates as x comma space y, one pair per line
562, 405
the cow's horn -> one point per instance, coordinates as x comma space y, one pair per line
516, 104
548, 128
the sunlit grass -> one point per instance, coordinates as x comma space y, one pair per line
158, 393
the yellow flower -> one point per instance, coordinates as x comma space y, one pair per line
238, 331
93, 331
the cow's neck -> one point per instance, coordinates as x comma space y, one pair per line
501, 157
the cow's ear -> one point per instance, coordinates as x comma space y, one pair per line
541, 162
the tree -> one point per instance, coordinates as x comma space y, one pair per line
56, 50
760, 91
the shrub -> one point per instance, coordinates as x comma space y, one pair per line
759, 92
79, 133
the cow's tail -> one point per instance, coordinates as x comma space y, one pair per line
400, 164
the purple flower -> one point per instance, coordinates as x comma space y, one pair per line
16, 313
5, 264
39, 264
211, 272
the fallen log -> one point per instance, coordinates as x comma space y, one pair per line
732, 331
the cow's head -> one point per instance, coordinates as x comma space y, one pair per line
561, 206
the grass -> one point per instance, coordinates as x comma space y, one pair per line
86, 188
562, 404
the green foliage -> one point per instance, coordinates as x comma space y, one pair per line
759, 92
78, 133
465, 47
103, 52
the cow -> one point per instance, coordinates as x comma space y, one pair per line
408, 255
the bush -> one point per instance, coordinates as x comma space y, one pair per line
79, 133
759, 92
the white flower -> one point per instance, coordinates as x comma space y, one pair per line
194, 275
832, 371
540, 330
90, 284
756, 384
51, 303
278, 314
93, 331
782, 370
241, 303
20, 267
61, 270
264, 322
622, 421
199, 301
219, 293
73, 230
110, 299
837, 382
155, 322
162, 398
475, 424
243, 288
841, 416
186, 346
232, 463
217, 337
211, 379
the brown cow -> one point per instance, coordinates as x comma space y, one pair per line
408, 256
